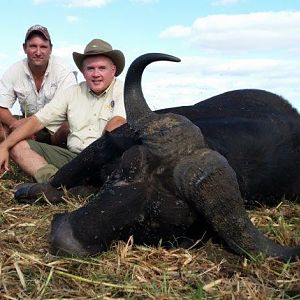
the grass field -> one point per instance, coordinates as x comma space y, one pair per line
129, 271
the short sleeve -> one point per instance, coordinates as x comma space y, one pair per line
118, 97
7, 95
56, 110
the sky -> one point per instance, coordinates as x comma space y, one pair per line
223, 44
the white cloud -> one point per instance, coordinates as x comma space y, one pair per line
72, 19
198, 78
225, 2
76, 3
37, 2
145, 1
3, 55
87, 3
261, 31
176, 31
65, 50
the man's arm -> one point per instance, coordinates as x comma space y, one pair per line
9, 121
114, 123
30, 127
6, 117
69, 80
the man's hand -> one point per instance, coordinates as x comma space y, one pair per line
28, 128
17, 123
4, 158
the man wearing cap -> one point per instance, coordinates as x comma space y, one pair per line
34, 81
92, 107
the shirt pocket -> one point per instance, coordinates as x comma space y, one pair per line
28, 106
49, 91
107, 110
78, 117
22, 94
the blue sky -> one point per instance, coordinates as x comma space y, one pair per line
223, 44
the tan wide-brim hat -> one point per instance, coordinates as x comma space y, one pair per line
100, 47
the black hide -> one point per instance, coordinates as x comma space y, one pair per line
257, 131
167, 176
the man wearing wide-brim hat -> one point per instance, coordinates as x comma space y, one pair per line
94, 106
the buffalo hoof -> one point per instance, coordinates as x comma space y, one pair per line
83, 191
29, 193
62, 240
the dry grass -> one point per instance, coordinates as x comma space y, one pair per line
128, 271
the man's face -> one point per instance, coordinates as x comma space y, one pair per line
99, 72
38, 51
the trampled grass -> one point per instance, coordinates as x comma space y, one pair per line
129, 271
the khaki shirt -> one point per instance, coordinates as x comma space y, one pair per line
17, 83
86, 112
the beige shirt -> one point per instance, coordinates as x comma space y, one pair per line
17, 83
86, 112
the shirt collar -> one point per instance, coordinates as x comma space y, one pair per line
28, 72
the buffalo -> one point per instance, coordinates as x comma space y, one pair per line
172, 174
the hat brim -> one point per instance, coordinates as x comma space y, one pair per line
115, 55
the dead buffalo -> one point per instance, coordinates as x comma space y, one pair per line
173, 174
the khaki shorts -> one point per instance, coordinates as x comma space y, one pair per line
54, 155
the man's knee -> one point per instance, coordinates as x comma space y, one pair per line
18, 149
